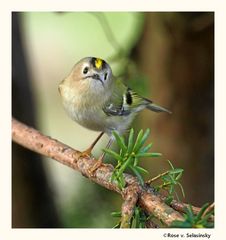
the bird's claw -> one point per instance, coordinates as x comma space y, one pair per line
85, 154
93, 169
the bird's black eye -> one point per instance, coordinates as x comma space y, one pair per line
85, 70
105, 76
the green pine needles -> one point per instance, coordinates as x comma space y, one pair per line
195, 221
168, 181
129, 156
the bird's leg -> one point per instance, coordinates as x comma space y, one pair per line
88, 151
101, 158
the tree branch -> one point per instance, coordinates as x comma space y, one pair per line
151, 202
130, 194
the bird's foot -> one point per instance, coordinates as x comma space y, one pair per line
98, 164
85, 154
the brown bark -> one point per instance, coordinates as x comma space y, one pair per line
131, 194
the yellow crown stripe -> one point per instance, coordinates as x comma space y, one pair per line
98, 63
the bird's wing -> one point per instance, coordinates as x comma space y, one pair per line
124, 101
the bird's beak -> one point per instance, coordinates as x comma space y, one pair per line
98, 77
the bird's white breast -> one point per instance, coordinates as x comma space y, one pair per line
84, 109
87, 111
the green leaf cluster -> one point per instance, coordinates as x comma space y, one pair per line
169, 181
195, 221
129, 156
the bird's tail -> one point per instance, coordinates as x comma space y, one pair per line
156, 108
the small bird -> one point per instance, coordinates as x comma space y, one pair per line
97, 100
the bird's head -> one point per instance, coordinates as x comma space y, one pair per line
90, 74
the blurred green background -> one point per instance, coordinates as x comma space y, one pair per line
167, 57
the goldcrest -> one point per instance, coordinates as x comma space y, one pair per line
95, 99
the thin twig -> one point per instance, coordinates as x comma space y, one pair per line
210, 208
156, 178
